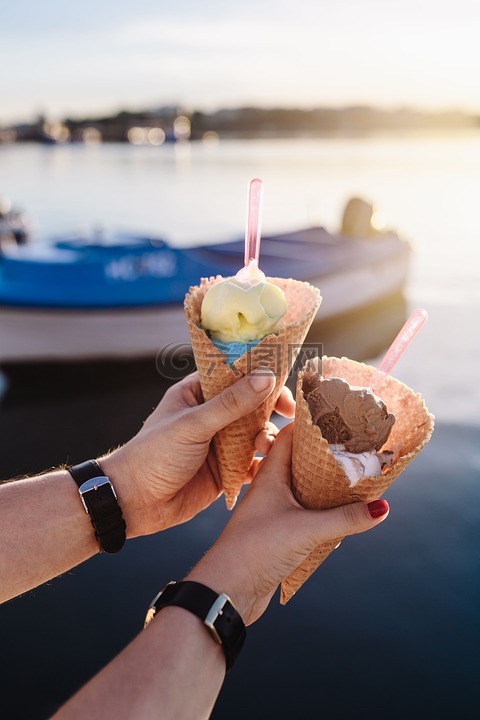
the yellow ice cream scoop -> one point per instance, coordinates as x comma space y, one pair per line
238, 311
245, 307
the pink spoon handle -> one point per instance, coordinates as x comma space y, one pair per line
252, 233
398, 347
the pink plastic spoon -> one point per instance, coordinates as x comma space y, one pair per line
252, 232
398, 347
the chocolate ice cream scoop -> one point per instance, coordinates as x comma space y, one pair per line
350, 416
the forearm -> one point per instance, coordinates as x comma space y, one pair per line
172, 670
44, 531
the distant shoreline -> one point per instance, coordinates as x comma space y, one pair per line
172, 124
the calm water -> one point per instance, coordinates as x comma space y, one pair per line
426, 188
390, 627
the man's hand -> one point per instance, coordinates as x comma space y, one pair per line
168, 473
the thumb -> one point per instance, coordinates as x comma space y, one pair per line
277, 463
235, 402
347, 519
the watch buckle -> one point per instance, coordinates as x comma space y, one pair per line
213, 614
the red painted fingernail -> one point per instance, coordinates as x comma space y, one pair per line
377, 508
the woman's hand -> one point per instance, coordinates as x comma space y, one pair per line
168, 473
270, 534
175, 664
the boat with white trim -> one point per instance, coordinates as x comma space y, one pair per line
122, 296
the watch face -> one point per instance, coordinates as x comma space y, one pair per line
93, 484
150, 615
89, 488
152, 610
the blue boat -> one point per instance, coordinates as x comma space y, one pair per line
135, 271
122, 295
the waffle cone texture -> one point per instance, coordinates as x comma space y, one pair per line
235, 444
318, 481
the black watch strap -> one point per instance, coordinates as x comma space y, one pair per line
216, 611
100, 502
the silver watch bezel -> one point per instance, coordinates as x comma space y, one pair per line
93, 484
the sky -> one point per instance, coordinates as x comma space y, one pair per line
99, 56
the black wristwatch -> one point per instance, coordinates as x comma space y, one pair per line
100, 502
216, 611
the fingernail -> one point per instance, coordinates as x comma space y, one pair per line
260, 379
377, 508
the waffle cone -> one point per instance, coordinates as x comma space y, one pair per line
319, 482
235, 444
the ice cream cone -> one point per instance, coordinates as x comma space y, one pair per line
319, 482
235, 444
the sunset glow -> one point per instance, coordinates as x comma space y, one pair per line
94, 59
